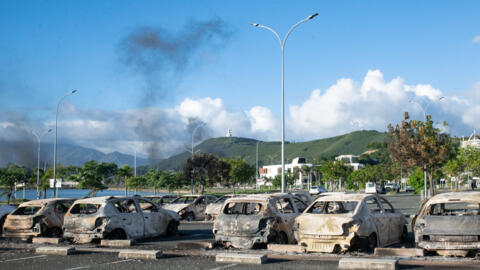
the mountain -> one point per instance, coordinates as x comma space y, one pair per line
269, 152
25, 153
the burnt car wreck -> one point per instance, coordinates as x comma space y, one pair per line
249, 221
191, 207
117, 218
449, 224
342, 222
37, 218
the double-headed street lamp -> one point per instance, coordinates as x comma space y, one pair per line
39, 137
55, 144
282, 46
256, 167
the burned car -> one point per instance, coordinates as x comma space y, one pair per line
212, 210
449, 224
117, 218
256, 220
37, 218
343, 222
191, 207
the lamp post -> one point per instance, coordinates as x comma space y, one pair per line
38, 159
424, 110
256, 167
282, 46
193, 154
55, 144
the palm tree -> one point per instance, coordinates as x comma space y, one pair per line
125, 172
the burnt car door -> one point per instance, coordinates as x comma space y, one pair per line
129, 218
154, 220
379, 219
395, 221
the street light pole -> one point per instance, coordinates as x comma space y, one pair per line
55, 145
256, 167
38, 159
282, 46
193, 154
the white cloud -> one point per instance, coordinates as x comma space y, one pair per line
476, 39
373, 104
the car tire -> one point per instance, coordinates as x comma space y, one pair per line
190, 216
54, 232
404, 237
172, 228
371, 242
117, 234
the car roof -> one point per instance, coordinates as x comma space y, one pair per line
344, 196
259, 197
43, 201
455, 196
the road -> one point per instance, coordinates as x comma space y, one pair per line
18, 255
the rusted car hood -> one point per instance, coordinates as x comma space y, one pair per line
317, 224
452, 225
213, 208
176, 207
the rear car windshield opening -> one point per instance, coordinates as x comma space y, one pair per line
26, 210
242, 208
84, 209
454, 209
333, 207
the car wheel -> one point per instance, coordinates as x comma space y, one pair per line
117, 234
172, 228
372, 242
54, 232
190, 216
404, 237
281, 239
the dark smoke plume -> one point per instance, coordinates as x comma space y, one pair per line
202, 132
17, 144
162, 58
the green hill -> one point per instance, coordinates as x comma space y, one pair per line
269, 152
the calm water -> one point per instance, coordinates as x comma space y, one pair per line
31, 194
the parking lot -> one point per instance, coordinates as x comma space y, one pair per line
185, 249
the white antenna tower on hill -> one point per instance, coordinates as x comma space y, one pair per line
229, 132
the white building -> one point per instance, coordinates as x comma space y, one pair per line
473, 141
270, 171
350, 160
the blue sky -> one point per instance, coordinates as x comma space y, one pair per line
49, 47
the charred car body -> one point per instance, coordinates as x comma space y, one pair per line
449, 224
252, 220
117, 218
342, 222
37, 218
191, 207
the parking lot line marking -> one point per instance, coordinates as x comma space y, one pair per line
101, 264
223, 267
24, 258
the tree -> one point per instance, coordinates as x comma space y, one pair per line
240, 172
11, 175
289, 179
335, 170
90, 177
418, 144
124, 172
201, 167
416, 180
